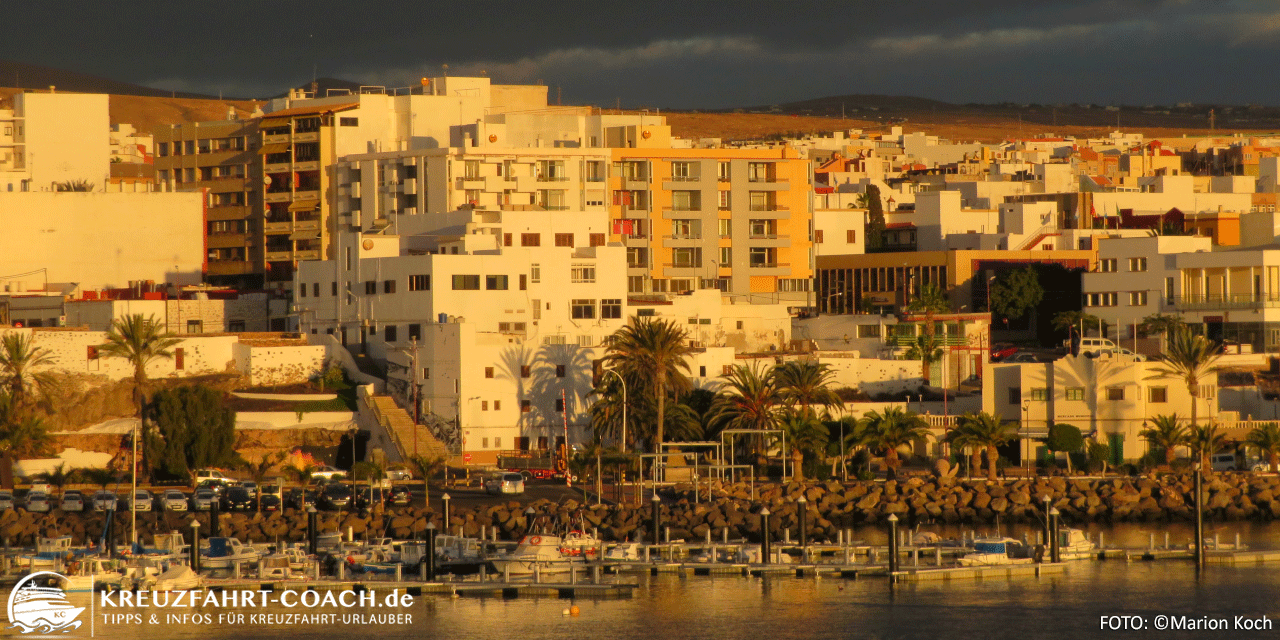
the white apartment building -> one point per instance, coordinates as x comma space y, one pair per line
1136, 277
50, 138
1108, 397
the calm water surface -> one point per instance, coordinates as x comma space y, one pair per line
669, 607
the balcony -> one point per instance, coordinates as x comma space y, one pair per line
277, 196
277, 228
279, 256
770, 265
278, 138
229, 268
306, 136
306, 165
942, 340
306, 225
545, 178
1216, 302
225, 240
313, 254
782, 182
227, 213
277, 167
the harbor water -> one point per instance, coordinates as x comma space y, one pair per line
782, 607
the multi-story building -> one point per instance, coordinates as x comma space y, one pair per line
1135, 277
50, 139
738, 220
220, 160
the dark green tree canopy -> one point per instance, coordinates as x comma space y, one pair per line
1064, 437
189, 428
1016, 292
875, 217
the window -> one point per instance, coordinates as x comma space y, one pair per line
506, 239
531, 240
488, 372
1137, 264
535, 274
179, 358
1115, 393
722, 171
686, 257
552, 199
470, 169
595, 171
683, 171
1101, 299
1168, 289
596, 239
686, 200
1039, 393
764, 228
762, 257
851, 236
582, 273
525, 371
495, 283
760, 171
817, 236
333, 289
559, 405
348, 122
370, 287
635, 284
689, 229
793, 284
611, 308
702, 371
466, 283
725, 202
637, 257
302, 290
1157, 394
560, 371
415, 332
583, 309
868, 331
526, 406
537, 309
315, 290
420, 282
524, 281
564, 239
726, 228
389, 332
726, 257
1137, 298
497, 406
388, 286
1107, 265
1075, 393
1015, 395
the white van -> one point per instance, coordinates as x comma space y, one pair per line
1228, 462
1091, 345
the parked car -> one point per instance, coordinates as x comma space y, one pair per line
367, 497
38, 502
251, 487
237, 499
174, 500
269, 499
215, 485
105, 501
143, 500
335, 496
208, 474
328, 473
1022, 356
504, 484
202, 499
6, 500
301, 498
41, 487
72, 500
400, 496
399, 475
1230, 462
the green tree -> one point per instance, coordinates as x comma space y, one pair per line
1265, 439
141, 341
59, 476
190, 429
1204, 441
987, 431
259, 470
873, 231
1099, 454
301, 472
891, 430
19, 361
805, 384
1016, 292
960, 439
1162, 324
1068, 321
1064, 438
21, 436
927, 351
426, 467
652, 353
750, 400
1165, 433
1191, 358
808, 438
100, 476
931, 300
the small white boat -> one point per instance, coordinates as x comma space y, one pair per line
580, 545
753, 554
455, 549
223, 553
50, 554
179, 577
1074, 544
84, 574
535, 551
623, 552
994, 551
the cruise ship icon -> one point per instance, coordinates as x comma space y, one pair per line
34, 608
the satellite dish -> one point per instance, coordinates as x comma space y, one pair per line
266, 180
425, 82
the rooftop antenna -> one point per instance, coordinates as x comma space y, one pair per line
445, 67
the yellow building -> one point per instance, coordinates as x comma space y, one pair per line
733, 219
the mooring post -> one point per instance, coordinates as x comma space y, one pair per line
764, 535
802, 514
1054, 551
893, 545
1199, 542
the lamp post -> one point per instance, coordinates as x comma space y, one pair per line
1022, 433
624, 406
133, 495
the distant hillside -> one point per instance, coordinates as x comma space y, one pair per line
147, 114
834, 105
322, 86
21, 75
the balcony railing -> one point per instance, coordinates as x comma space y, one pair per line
769, 265
685, 178
682, 265
765, 236
942, 340
1220, 301
683, 236
553, 178
767, 207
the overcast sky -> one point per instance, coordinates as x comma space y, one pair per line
685, 53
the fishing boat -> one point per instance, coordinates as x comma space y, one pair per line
994, 551
36, 607
458, 555
86, 573
535, 552
1074, 544
50, 554
223, 553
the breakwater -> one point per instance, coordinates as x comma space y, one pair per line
830, 507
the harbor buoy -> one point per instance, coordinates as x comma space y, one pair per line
574, 611
565, 612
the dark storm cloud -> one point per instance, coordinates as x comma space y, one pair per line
686, 53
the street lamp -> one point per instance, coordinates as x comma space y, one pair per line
624, 406
1022, 444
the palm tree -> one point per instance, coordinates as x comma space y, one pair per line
258, 470
927, 351
99, 476
986, 431
749, 400
1167, 433
1162, 324
805, 384
1077, 320
962, 438
1265, 439
808, 436
59, 476
1204, 442
141, 341
1190, 357
651, 352
300, 472
19, 359
427, 467
20, 436
891, 430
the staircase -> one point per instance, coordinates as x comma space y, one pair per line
1038, 235
399, 425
